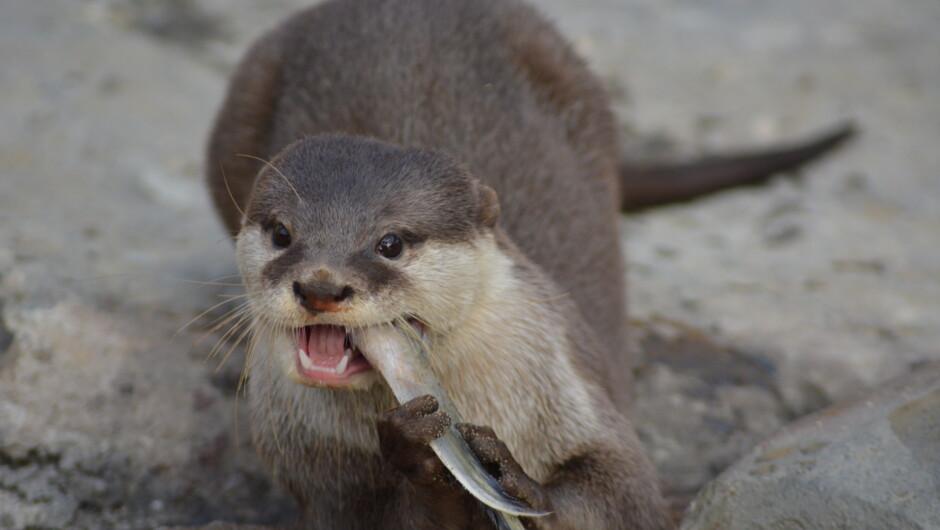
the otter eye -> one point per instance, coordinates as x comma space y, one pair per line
280, 236
389, 246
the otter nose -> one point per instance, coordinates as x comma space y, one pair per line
321, 296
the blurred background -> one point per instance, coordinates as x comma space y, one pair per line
754, 307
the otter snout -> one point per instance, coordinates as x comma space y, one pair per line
319, 296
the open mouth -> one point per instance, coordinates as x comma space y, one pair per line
326, 357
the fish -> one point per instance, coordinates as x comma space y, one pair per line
402, 359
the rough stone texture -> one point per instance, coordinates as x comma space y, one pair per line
756, 306
827, 285
97, 431
873, 463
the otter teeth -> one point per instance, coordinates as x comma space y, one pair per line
305, 360
339, 369
341, 366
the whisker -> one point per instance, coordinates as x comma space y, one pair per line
238, 313
240, 307
277, 440
232, 348
226, 277
416, 339
243, 376
278, 171
197, 317
209, 282
235, 421
229, 190
227, 335
155, 277
281, 329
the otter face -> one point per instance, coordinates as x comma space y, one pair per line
345, 232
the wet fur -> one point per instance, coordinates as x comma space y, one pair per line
526, 319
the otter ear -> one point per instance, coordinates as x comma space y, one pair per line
488, 205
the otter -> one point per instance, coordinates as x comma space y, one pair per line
454, 165
345, 232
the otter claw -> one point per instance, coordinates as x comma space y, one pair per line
406, 368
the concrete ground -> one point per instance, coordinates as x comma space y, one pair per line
755, 306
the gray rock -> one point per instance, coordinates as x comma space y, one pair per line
107, 423
700, 405
872, 463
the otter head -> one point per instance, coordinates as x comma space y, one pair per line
342, 232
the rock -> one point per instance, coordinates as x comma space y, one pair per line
106, 423
700, 405
872, 463
106, 233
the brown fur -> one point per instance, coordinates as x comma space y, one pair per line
645, 186
495, 86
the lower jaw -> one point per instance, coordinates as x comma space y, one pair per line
358, 381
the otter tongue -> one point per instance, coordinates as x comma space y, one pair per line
325, 345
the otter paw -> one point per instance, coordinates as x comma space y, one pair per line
405, 433
499, 462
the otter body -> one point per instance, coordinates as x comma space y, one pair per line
388, 125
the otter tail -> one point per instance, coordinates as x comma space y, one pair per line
645, 186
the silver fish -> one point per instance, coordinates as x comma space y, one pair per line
403, 362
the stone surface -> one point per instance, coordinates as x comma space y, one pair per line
755, 306
98, 432
873, 463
